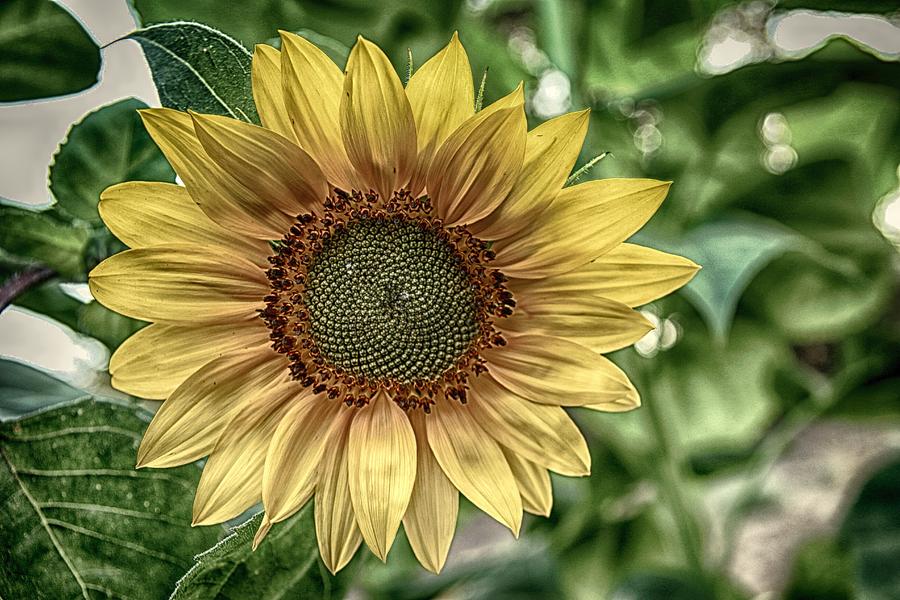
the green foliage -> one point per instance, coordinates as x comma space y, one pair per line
44, 51
664, 586
43, 237
198, 68
79, 521
285, 564
109, 327
872, 532
822, 571
108, 146
731, 252
249, 22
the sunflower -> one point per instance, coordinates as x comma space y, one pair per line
379, 299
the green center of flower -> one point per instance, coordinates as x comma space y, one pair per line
390, 299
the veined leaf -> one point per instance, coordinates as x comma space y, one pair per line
286, 564
108, 146
79, 521
44, 51
196, 67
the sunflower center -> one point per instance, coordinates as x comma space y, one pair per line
371, 295
388, 298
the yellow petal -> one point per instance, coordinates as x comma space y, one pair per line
552, 370
188, 424
534, 484
630, 274
442, 97
382, 463
232, 476
264, 526
280, 171
542, 433
476, 167
159, 357
228, 202
583, 222
268, 93
294, 455
149, 213
474, 462
377, 123
179, 284
313, 86
336, 530
600, 324
551, 150
430, 519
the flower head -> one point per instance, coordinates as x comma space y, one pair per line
379, 298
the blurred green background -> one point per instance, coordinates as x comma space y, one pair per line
764, 460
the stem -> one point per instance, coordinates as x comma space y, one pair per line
670, 481
20, 283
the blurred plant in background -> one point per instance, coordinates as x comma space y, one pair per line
764, 458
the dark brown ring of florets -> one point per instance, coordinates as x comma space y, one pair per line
297, 331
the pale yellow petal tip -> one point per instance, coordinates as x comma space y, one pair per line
260, 48
261, 533
201, 516
431, 567
519, 93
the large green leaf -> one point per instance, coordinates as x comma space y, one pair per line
79, 521
24, 389
43, 237
44, 51
196, 67
286, 564
872, 531
108, 146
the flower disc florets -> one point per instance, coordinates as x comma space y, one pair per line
373, 295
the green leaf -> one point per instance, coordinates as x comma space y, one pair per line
731, 253
713, 400
24, 389
872, 532
44, 51
196, 67
108, 146
79, 521
40, 236
822, 570
286, 564
109, 327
